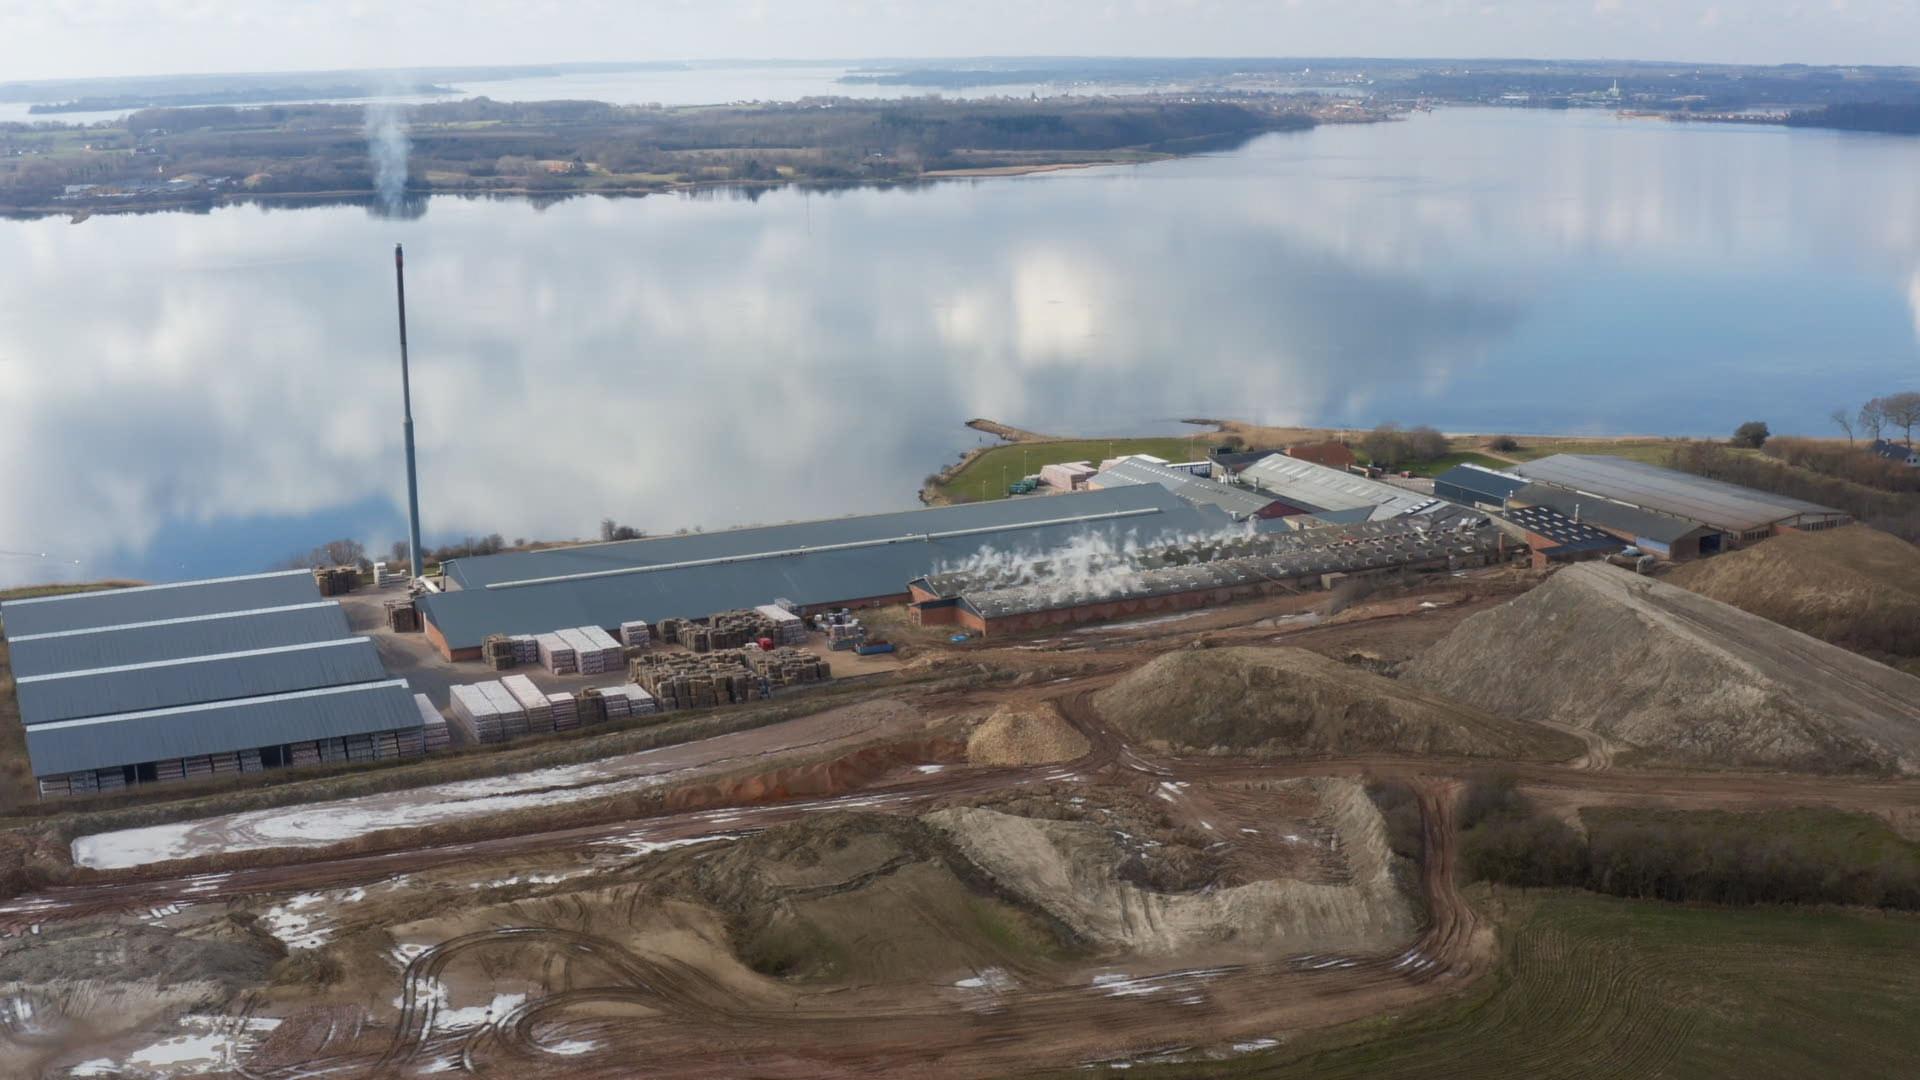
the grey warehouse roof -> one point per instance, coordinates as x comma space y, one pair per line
810, 563
1314, 487
147, 603
160, 684
1696, 498
1238, 501
174, 639
190, 730
1490, 484
1607, 514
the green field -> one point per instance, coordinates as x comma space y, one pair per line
1592, 987
1651, 451
986, 477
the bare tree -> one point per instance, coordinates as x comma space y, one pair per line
1902, 410
1873, 420
1843, 420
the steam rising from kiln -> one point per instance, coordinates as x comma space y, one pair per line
387, 147
1093, 564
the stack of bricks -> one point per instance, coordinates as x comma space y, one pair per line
526, 650
557, 656
336, 580
596, 651
784, 627
789, 667
433, 726
566, 711
497, 651
487, 713
533, 700
682, 681
402, 616
635, 635
730, 630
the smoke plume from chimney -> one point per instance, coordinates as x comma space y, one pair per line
387, 147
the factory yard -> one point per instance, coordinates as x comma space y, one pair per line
1116, 780
1052, 852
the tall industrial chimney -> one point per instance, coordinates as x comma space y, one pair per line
406, 399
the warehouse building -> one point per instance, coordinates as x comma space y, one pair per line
1191, 575
1742, 514
840, 562
1658, 534
1237, 502
1302, 487
1555, 538
1477, 485
198, 678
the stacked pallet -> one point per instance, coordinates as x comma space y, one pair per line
250, 761
433, 726
526, 649
695, 681
639, 702
635, 635
557, 656
171, 769
727, 630
497, 650
402, 616
789, 667
335, 580
566, 711
843, 630
613, 703
484, 717
533, 700
199, 767
383, 578
595, 651
786, 627
409, 743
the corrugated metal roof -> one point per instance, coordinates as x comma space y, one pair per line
698, 586
136, 687
190, 730
147, 603
1665, 491
1559, 528
297, 624
758, 540
1238, 501
1617, 517
1489, 484
1318, 488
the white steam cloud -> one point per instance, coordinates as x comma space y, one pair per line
1090, 564
387, 146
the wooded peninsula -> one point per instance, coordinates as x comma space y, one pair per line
167, 158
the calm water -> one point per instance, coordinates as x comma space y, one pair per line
185, 394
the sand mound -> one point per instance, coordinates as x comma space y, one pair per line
1684, 678
1069, 870
1290, 701
1033, 737
1856, 587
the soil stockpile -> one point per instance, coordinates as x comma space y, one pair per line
1069, 869
1686, 679
1032, 737
1282, 702
1856, 587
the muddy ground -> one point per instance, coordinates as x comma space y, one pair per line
947, 881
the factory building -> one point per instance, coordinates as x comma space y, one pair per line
1186, 576
197, 678
1555, 538
1476, 485
1237, 502
1657, 534
1302, 487
839, 562
1741, 515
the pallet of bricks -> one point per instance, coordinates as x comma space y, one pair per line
784, 627
843, 630
526, 650
433, 726
635, 635
695, 681
594, 649
349, 748
487, 713
724, 630
785, 667
557, 656
402, 616
498, 651
336, 580
534, 700
620, 702
566, 711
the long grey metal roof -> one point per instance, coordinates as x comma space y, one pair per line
1238, 501
846, 559
764, 539
190, 730
1666, 491
136, 687
174, 639
147, 603
1607, 514
1317, 488
1490, 484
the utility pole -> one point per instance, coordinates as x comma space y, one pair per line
406, 402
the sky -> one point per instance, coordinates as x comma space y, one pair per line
45, 39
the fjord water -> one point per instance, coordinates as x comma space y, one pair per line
186, 394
